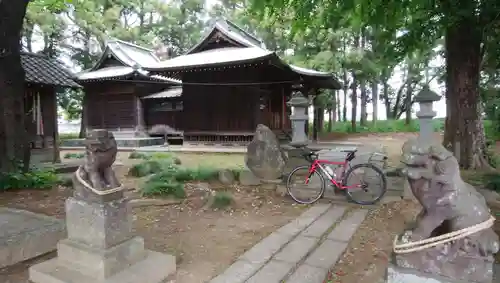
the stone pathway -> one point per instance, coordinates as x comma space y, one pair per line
300, 252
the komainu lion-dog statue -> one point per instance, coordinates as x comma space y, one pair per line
96, 176
454, 226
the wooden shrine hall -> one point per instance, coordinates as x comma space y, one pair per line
45, 77
231, 83
116, 87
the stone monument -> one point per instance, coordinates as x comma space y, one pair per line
451, 239
101, 247
265, 158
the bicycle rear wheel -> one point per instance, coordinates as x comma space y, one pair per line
305, 192
366, 183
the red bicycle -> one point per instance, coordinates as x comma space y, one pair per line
339, 177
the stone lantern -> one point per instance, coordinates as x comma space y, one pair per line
299, 119
425, 98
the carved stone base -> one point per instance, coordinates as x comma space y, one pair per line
101, 248
461, 267
98, 225
153, 268
403, 275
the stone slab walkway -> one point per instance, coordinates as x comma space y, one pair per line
300, 252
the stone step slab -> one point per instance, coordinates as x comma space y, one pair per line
345, 229
252, 261
324, 222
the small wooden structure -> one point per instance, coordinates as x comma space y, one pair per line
44, 78
115, 86
231, 83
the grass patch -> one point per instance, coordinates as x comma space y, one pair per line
169, 180
155, 156
222, 200
68, 136
149, 167
33, 179
393, 126
74, 155
168, 188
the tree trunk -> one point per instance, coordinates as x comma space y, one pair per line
346, 89
321, 119
364, 101
408, 104
385, 96
13, 134
331, 117
354, 103
374, 102
337, 95
464, 133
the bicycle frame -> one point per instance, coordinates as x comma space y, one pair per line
336, 182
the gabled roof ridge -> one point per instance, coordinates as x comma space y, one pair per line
232, 24
124, 53
114, 39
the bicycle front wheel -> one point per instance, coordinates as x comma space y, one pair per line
305, 187
365, 183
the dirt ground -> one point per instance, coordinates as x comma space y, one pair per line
205, 241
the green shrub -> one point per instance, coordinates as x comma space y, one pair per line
222, 200
491, 181
74, 155
205, 173
34, 179
139, 155
170, 188
68, 136
157, 155
149, 167
236, 171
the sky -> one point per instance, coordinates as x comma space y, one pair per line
395, 82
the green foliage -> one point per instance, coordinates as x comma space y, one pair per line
170, 180
222, 200
399, 126
157, 155
139, 155
149, 167
385, 126
74, 155
490, 180
68, 136
165, 188
33, 179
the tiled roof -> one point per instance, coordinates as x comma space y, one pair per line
40, 69
128, 54
121, 72
175, 91
233, 32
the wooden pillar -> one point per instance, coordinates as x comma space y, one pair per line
283, 108
57, 156
85, 113
139, 115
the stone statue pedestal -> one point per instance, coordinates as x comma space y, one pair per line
101, 248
